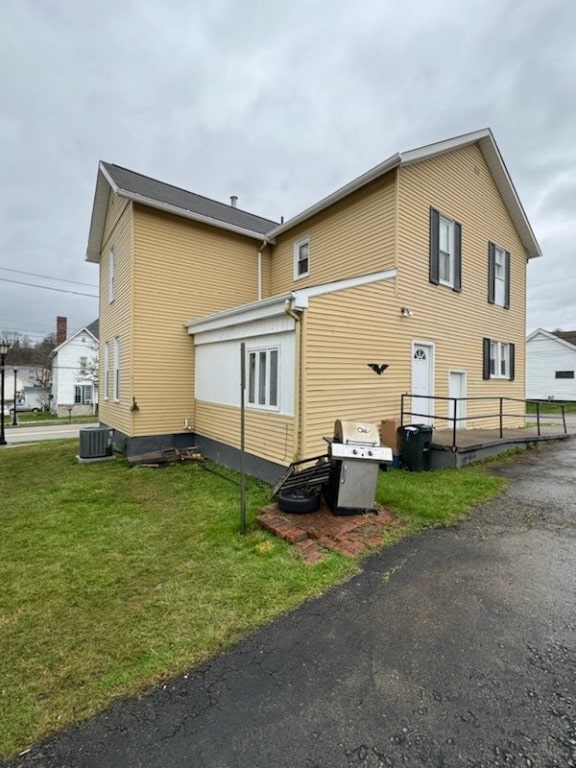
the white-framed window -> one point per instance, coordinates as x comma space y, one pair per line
83, 394
498, 276
111, 275
301, 258
116, 393
106, 371
445, 251
498, 359
83, 365
263, 378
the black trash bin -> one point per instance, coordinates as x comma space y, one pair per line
416, 439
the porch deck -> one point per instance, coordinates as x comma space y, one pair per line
476, 444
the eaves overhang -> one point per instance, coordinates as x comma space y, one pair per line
295, 301
106, 184
485, 140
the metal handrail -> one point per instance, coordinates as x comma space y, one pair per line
500, 415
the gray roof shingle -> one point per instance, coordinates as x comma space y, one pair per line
93, 328
145, 187
569, 336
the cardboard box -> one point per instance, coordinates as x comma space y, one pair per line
389, 435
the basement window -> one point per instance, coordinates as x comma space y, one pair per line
564, 374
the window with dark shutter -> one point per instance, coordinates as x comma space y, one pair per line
434, 246
485, 358
498, 359
445, 262
498, 276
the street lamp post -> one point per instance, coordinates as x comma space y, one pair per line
14, 415
4, 347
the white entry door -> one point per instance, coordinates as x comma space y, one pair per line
422, 382
457, 388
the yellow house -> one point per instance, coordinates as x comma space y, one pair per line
409, 279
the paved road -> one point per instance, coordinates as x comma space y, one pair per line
44, 432
455, 648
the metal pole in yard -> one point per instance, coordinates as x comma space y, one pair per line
242, 432
454, 424
501, 407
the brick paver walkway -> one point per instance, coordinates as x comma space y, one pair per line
315, 533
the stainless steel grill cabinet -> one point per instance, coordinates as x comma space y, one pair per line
355, 456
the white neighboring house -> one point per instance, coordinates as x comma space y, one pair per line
551, 365
75, 373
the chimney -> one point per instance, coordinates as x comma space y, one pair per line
234, 201
61, 330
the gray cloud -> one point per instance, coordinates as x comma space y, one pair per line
279, 104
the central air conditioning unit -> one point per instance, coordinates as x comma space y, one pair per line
95, 442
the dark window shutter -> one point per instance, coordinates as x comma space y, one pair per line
457, 257
507, 285
512, 348
434, 246
491, 272
485, 358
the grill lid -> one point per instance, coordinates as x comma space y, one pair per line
358, 432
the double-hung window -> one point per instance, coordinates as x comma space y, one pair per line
117, 369
498, 276
445, 251
498, 359
111, 275
83, 394
301, 258
106, 371
263, 378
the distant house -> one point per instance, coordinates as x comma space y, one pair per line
551, 365
418, 265
75, 373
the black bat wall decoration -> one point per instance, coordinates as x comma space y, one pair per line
379, 369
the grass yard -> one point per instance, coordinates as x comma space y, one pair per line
552, 408
32, 419
115, 578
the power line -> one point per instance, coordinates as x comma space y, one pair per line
47, 277
48, 288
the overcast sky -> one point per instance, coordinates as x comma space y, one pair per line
278, 103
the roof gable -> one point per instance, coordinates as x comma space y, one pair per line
166, 197
156, 194
557, 336
91, 330
491, 153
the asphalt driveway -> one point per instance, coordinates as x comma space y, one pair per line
455, 648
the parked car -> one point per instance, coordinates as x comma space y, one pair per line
26, 409
6, 412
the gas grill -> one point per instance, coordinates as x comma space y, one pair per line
355, 454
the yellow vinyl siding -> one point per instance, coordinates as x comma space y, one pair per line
116, 207
343, 332
461, 187
267, 435
353, 237
116, 316
182, 270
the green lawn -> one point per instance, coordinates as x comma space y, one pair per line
30, 419
115, 578
551, 408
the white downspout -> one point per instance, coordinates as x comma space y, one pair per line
259, 269
297, 317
